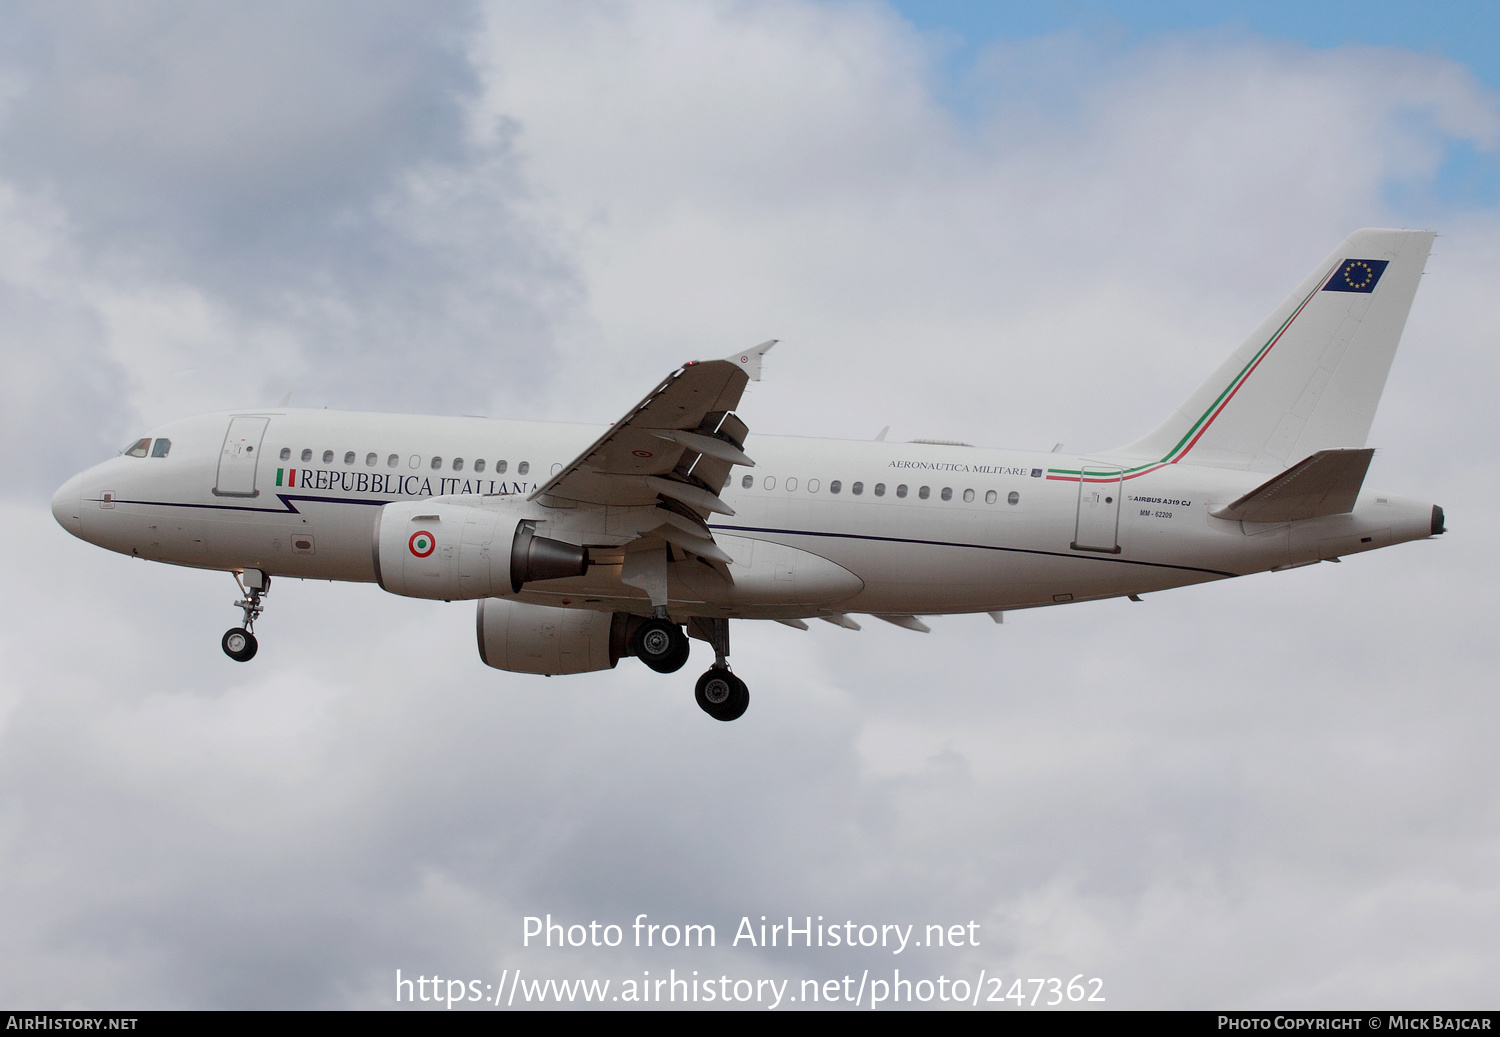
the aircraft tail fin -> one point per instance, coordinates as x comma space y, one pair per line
1310, 377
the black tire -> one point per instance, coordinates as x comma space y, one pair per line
722, 695
661, 645
239, 644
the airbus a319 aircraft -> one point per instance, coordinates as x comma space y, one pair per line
582, 545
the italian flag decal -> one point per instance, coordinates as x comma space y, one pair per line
422, 543
291, 476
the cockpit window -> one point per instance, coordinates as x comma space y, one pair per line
140, 449
161, 448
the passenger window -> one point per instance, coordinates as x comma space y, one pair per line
286, 453
437, 462
968, 496
161, 447
835, 486
393, 461
812, 486
857, 489
880, 489
371, 458
523, 467
140, 448
328, 457
307, 454
924, 492
947, 493
479, 465
500, 467
791, 484
990, 496
1013, 498
748, 481
415, 461
458, 464
349, 457
770, 482
901, 490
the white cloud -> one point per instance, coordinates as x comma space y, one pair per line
1267, 792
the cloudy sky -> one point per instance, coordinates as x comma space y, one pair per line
1012, 229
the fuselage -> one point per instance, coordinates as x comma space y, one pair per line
921, 529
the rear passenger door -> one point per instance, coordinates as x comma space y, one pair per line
1098, 510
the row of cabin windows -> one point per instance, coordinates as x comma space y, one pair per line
858, 488
145, 446
394, 460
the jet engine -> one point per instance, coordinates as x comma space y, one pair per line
523, 638
453, 551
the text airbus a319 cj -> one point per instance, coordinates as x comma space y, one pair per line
582, 545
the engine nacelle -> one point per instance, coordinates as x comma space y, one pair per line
524, 638
454, 551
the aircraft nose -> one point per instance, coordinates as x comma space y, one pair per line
67, 506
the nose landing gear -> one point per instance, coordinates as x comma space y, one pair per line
239, 642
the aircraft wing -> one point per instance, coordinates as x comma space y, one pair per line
679, 443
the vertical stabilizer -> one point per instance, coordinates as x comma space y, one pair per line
1311, 376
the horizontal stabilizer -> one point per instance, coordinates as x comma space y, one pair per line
1326, 483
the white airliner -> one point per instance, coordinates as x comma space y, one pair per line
582, 544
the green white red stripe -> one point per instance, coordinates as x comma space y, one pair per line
1207, 418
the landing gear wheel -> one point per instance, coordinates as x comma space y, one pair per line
239, 644
722, 695
662, 645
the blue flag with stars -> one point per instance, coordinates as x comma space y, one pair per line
1357, 275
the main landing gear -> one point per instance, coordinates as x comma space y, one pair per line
239, 643
662, 645
719, 693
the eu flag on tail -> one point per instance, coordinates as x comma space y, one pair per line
1357, 275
